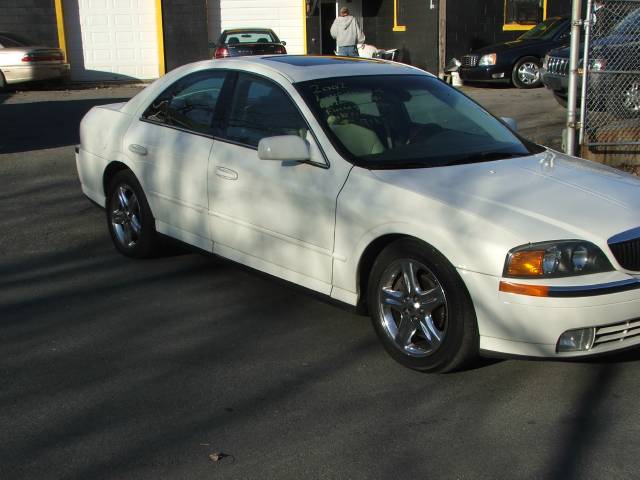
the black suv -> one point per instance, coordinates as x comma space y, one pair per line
616, 55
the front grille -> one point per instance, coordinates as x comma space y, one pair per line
617, 333
558, 66
627, 254
470, 60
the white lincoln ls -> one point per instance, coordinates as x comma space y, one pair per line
379, 185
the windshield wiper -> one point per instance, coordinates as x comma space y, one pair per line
486, 157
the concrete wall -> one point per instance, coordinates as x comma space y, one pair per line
35, 19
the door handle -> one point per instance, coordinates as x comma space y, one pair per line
138, 149
226, 173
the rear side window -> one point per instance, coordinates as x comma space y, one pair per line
190, 103
262, 109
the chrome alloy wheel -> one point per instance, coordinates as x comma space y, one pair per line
125, 216
631, 98
528, 73
413, 308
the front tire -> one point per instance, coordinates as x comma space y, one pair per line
526, 73
420, 308
129, 217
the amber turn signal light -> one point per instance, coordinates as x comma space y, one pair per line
527, 263
521, 289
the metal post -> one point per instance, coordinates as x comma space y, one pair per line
585, 71
576, 22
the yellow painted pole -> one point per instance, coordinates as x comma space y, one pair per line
62, 42
304, 26
160, 38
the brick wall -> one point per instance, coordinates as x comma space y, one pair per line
473, 24
184, 23
35, 19
418, 45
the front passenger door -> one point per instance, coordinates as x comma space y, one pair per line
275, 216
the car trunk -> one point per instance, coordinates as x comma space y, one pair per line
254, 49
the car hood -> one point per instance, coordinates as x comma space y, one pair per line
507, 46
548, 196
600, 43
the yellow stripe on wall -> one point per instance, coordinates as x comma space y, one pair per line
304, 26
396, 27
62, 42
160, 37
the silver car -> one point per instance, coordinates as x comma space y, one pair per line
22, 61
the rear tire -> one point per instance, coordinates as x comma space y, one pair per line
421, 309
526, 73
129, 217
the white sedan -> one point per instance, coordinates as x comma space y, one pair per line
21, 61
377, 184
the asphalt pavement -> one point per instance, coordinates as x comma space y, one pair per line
191, 367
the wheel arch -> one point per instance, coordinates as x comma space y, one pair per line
368, 258
110, 171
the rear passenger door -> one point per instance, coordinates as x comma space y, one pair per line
274, 216
170, 144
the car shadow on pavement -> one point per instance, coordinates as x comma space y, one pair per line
40, 125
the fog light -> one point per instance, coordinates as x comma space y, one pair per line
576, 340
497, 75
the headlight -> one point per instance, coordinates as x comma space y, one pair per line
486, 60
555, 259
545, 62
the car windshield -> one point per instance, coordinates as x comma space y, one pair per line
246, 36
11, 40
408, 121
630, 25
544, 30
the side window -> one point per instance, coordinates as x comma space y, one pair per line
189, 103
260, 109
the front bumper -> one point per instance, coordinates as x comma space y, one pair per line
31, 73
493, 73
522, 325
558, 83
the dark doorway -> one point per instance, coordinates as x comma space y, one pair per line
327, 16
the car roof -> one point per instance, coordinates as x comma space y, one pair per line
291, 68
301, 68
246, 29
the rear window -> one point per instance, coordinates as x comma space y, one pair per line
249, 37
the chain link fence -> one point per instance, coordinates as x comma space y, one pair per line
612, 73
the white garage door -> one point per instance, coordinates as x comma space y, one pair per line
111, 39
285, 17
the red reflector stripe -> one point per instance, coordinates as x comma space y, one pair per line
522, 289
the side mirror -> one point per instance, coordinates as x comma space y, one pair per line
511, 123
283, 42
284, 148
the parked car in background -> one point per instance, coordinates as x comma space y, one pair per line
379, 185
21, 60
517, 61
248, 41
618, 51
